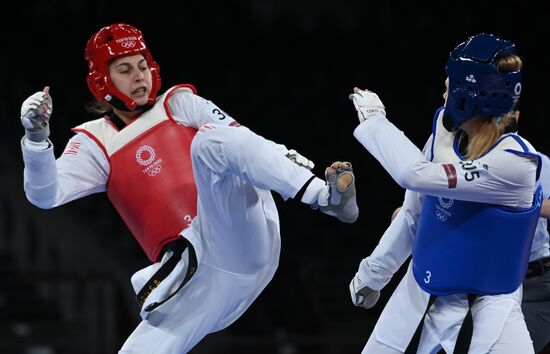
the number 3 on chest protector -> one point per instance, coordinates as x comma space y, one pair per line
428, 277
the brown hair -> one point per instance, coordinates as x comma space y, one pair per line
493, 127
98, 108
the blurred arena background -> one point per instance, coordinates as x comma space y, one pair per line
283, 68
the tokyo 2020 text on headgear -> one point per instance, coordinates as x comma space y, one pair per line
476, 87
111, 42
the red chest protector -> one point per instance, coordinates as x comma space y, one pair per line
151, 181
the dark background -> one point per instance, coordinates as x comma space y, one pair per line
282, 68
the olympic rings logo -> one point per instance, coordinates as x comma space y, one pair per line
128, 44
442, 217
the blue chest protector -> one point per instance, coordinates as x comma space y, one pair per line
465, 247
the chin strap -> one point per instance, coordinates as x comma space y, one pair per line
120, 105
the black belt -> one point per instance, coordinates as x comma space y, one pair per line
464, 338
538, 267
177, 247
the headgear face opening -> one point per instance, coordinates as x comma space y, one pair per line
111, 42
476, 87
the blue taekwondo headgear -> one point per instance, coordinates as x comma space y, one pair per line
476, 87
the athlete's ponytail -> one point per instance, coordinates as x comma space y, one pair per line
491, 128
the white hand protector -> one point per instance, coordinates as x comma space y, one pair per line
361, 294
367, 104
299, 160
338, 197
35, 115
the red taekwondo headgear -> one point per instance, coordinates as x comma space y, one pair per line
111, 42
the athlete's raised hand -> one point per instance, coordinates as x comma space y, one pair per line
367, 104
35, 115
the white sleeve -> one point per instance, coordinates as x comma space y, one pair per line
395, 246
81, 170
501, 178
194, 111
544, 178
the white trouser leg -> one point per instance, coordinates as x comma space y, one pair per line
211, 301
514, 337
234, 171
374, 346
237, 151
